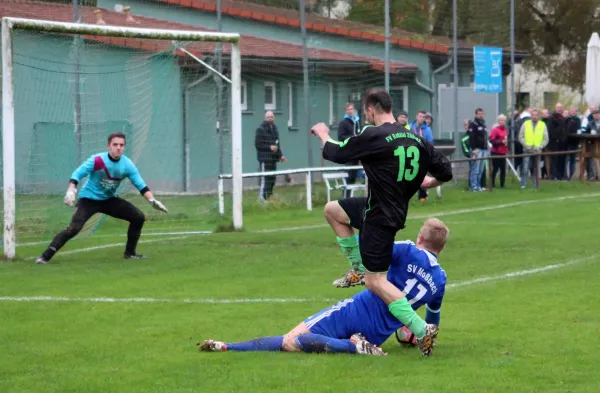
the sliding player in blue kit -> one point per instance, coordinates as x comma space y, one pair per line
360, 324
105, 172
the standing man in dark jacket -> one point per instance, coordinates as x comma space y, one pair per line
557, 132
268, 153
573, 126
478, 142
347, 128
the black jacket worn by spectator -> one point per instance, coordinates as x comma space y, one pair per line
347, 128
267, 135
478, 135
573, 126
557, 132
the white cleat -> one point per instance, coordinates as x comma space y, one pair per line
212, 346
363, 347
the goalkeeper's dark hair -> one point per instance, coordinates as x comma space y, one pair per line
378, 99
114, 135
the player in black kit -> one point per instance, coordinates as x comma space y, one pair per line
396, 163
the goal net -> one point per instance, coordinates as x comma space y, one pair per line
67, 86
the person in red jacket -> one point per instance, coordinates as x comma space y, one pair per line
499, 140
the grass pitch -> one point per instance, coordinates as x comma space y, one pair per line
520, 314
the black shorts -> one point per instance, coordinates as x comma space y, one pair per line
355, 210
376, 240
115, 207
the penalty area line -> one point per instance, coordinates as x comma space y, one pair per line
121, 244
520, 273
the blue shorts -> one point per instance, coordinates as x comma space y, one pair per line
351, 316
337, 321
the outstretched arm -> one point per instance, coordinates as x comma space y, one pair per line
81, 172
138, 182
340, 152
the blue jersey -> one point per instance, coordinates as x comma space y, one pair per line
414, 271
105, 176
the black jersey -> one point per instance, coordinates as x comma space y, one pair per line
395, 162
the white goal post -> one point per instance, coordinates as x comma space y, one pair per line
9, 25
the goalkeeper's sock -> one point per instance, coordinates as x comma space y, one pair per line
409, 318
49, 253
351, 250
316, 343
260, 344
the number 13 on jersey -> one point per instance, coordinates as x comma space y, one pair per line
407, 172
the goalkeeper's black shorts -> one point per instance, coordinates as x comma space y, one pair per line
115, 207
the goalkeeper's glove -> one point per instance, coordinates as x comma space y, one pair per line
157, 205
70, 197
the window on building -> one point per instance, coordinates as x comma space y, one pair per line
550, 99
523, 101
244, 88
270, 96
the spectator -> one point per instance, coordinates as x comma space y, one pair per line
557, 135
533, 135
429, 120
545, 116
573, 127
403, 120
592, 110
421, 128
585, 119
478, 141
593, 128
349, 127
268, 153
546, 160
499, 141
523, 117
464, 141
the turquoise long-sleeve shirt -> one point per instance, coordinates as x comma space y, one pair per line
105, 174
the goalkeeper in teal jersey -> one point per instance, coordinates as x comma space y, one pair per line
105, 172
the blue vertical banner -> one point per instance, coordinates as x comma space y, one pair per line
487, 62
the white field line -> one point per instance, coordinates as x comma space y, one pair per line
121, 244
307, 227
526, 272
501, 223
520, 273
116, 236
449, 213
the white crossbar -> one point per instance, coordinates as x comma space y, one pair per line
119, 31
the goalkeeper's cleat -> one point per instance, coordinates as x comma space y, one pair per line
363, 347
350, 279
405, 337
134, 256
212, 346
426, 343
41, 261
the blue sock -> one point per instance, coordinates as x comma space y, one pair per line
321, 344
260, 344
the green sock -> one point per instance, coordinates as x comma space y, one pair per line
350, 249
405, 314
